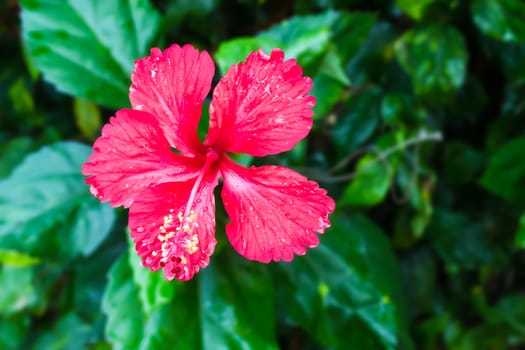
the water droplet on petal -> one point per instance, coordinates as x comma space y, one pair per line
95, 192
139, 229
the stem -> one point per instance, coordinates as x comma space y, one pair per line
422, 136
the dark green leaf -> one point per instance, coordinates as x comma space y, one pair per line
327, 92
214, 312
236, 299
87, 48
358, 120
519, 240
501, 19
346, 292
435, 57
505, 174
461, 162
48, 210
13, 331
401, 109
462, 242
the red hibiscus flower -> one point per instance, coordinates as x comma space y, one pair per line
149, 159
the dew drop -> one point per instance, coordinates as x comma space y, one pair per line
139, 229
95, 192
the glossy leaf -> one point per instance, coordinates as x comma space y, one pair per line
357, 121
206, 313
461, 241
501, 19
87, 48
121, 304
45, 200
346, 293
305, 38
435, 58
153, 289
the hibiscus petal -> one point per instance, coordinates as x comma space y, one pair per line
167, 235
131, 155
274, 211
261, 107
172, 85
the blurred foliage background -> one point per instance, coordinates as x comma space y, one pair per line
419, 136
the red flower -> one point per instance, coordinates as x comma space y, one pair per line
259, 107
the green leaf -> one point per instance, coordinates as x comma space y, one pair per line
69, 333
332, 67
461, 162
505, 173
236, 305
373, 175
11, 152
327, 92
48, 210
17, 293
350, 30
303, 37
346, 292
519, 240
306, 38
401, 109
17, 259
21, 98
88, 117
121, 304
503, 20
214, 311
154, 290
236, 50
435, 57
415, 8
512, 312
358, 120
461, 241
87, 48
371, 183
13, 331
